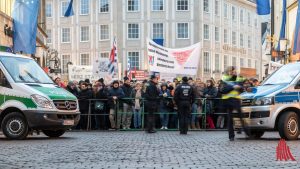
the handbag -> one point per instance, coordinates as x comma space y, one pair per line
99, 105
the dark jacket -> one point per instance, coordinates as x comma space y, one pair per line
184, 92
152, 93
212, 92
73, 91
118, 92
127, 89
83, 99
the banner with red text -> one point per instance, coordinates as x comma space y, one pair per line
176, 61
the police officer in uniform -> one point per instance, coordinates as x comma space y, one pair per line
152, 98
231, 89
184, 97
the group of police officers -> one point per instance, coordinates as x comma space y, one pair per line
184, 97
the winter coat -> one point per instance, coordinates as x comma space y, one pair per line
127, 89
210, 93
118, 92
73, 91
83, 99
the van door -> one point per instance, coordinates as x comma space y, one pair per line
4, 84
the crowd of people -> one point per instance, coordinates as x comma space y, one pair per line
119, 105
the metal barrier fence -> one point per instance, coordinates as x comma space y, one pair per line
92, 113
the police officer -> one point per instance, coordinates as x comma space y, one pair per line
184, 97
152, 98
231, 89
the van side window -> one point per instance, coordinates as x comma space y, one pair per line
3, 80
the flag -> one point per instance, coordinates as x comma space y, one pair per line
69, 11
296, 46
113, 59
263, 7
25, 18
283, 24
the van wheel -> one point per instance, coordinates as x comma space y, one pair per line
14, 126
52, 133
288, 126
254, 134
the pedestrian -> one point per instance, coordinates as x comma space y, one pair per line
115, 93
137, 95
151, 96
59, 83
219, 108
210, 93
231, 89
164, 106
71, 87
83, 99
99, 106
184, 97
126, 115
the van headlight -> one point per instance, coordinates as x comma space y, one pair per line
263, 101
41, 101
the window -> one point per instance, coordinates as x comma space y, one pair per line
206, 32
217, 34
133, 5
249, 19
84, 7
104, 6
2, 76
84, 34
182, 5
85, 59
48, 10
234, 38
242, 62
134, 60
217, 63
225, 36
104, 55
234, 61
225, 10
104, 32
233, 13
206, 63
225, 62
217, 7
65, 35
242, 16
158, 31
65, 61
241, 40
64, 7
133, 31
206, 5
249, 42
157, 5
49, 34
249, 63
182, 30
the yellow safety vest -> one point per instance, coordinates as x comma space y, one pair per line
232, 94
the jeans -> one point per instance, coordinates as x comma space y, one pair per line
137, 118
194, 113
164, 116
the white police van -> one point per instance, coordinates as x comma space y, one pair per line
29, 100
275, 105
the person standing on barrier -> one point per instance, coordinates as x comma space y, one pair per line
114, 95
126, 115
83, 98
231, 89
151, 96
184, 98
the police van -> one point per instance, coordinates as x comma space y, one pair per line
275, 105
30, 101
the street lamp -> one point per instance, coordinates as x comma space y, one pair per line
284, 48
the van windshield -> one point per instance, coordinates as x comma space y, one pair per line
285, 75
24, 70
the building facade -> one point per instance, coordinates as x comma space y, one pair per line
6, 25
229, 31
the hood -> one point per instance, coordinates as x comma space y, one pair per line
53, 92
262, 91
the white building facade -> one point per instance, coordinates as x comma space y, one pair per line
229, 31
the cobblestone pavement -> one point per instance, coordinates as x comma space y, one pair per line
168, 149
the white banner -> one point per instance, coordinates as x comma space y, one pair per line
100, 67
78, 73
176, 61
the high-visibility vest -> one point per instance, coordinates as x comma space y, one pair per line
232, 94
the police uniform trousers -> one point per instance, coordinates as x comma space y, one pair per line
152, 108
184, 113
233, 105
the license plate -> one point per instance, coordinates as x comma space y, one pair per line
68, 122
